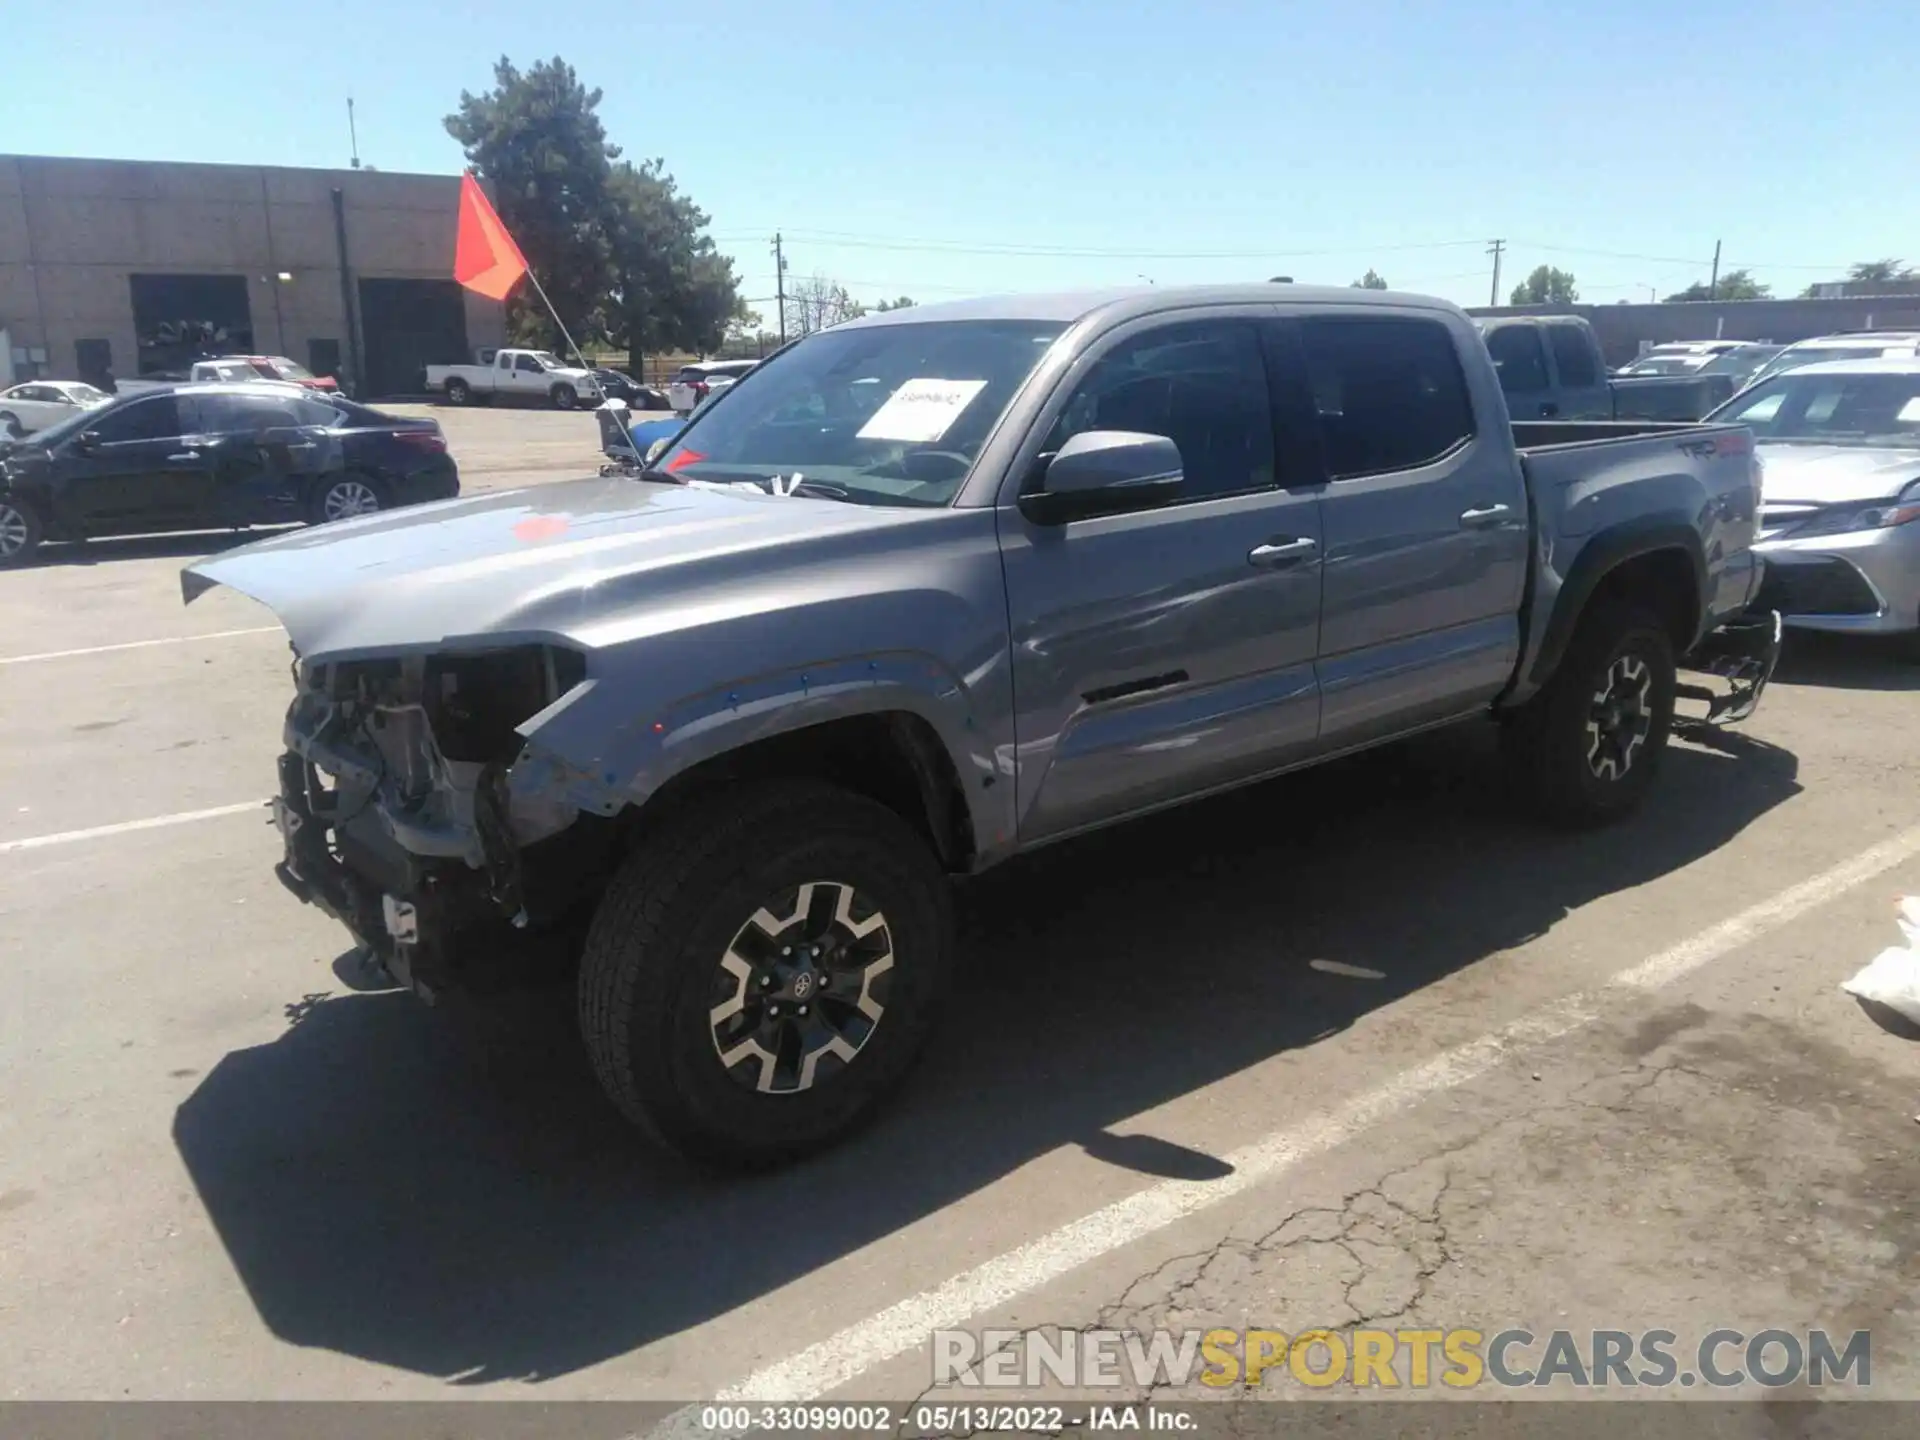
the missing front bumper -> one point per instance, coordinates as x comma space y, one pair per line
1742, 653
434, 924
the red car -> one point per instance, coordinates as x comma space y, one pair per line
266, 367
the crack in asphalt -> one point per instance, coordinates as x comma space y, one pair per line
1369, 1227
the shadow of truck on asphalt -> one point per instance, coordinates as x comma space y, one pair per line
451, 1195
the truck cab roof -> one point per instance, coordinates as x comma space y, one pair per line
1141, 300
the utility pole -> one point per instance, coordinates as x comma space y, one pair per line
353, 134
1713, 282
780, 284
1494, 248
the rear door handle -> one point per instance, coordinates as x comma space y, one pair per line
1484, 516
1280, 552
184, 455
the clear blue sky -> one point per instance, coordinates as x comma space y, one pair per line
942, 149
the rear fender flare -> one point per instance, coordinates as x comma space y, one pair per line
1599, 557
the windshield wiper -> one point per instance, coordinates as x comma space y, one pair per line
665, 477
821, 489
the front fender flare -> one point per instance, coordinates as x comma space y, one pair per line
600, 751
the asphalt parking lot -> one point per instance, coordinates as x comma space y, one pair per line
1356, 1047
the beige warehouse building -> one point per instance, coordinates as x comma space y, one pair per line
135, 268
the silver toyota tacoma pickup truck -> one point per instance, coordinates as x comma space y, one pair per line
933, 588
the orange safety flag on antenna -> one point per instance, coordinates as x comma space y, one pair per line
485, 259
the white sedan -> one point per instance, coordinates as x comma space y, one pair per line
40, 403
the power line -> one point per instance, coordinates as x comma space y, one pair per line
843, 239
899, 287
846, 240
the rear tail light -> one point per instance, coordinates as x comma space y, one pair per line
700, 388
431, 441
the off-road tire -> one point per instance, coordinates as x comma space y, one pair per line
1548, 740
459, 393
564, 397
672, 911
20, 533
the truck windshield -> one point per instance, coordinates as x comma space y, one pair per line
546, 360
1830, 409
879, 415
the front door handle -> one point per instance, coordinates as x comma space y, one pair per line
1484, 516
1280, 551
1548, 409
184, 455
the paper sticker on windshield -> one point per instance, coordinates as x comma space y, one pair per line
921, 410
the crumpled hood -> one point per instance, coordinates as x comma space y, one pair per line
1834, 474
530, 564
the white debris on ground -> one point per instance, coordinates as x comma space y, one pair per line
1893, 979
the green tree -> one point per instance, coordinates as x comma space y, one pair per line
905, 302
1734, 285
1878, 272
1546, 286
670, 286
1369, 281
537, 138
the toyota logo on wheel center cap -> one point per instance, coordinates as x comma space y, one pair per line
803, 985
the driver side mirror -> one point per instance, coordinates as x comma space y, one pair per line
87, 441
1105, 472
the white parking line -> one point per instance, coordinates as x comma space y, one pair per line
136, 645
124, 827
821, 1368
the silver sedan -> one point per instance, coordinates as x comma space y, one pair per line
1840, 498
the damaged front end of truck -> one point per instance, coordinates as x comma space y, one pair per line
415, 810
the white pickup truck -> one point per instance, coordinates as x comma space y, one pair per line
526, 374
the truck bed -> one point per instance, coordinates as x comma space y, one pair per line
1669, 397
1590, 477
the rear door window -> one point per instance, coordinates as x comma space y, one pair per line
1389, 393
1572, 356
1517, 357
251, 414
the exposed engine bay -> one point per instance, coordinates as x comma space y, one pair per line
396, 796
